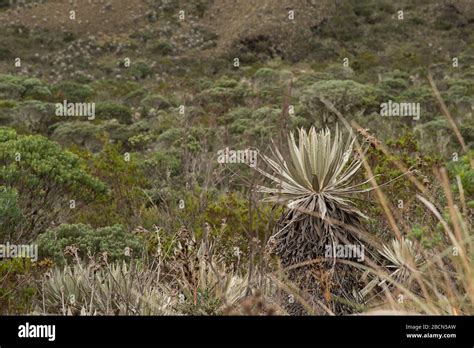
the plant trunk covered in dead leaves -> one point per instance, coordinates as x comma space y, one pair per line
301, 242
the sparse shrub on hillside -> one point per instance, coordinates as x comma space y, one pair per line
394, 85
365, 61
405, 58
226, 82
467, 132
7, 104
33, 116
120, 133
17, 288
342, 26
84, 134
171, 136
219, 100
223, 94
447, 17
336, 72
201, 83
436, 137
266, 113
233, 220
346, 95
72, 92
156, 102
114, 89
373, 11
36, 89
5, 53
298, 122
268, 76
108, 110
254, 127
240, 125
140, 70
11, 87
133, 98
459, 90
234, 115
6, 117
253, 48
88, 242
162, 47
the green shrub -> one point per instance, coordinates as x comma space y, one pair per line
463, 168
7, 104
140, 70
4, 3
266, 75
36, 89
164, 163
162, 47
459, 90
17, 286
133, 98
171, 136
394, 85
234, 115
11, 87
267, 113
298, 122
224, 96
436, 137
141, 141
114, 89
239, 126
343, 25
226, 82
467, 131
12, 216
156, 101
89, 242
228, 215
5, 53
79, 133
111, 110
347, 96
34, 116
